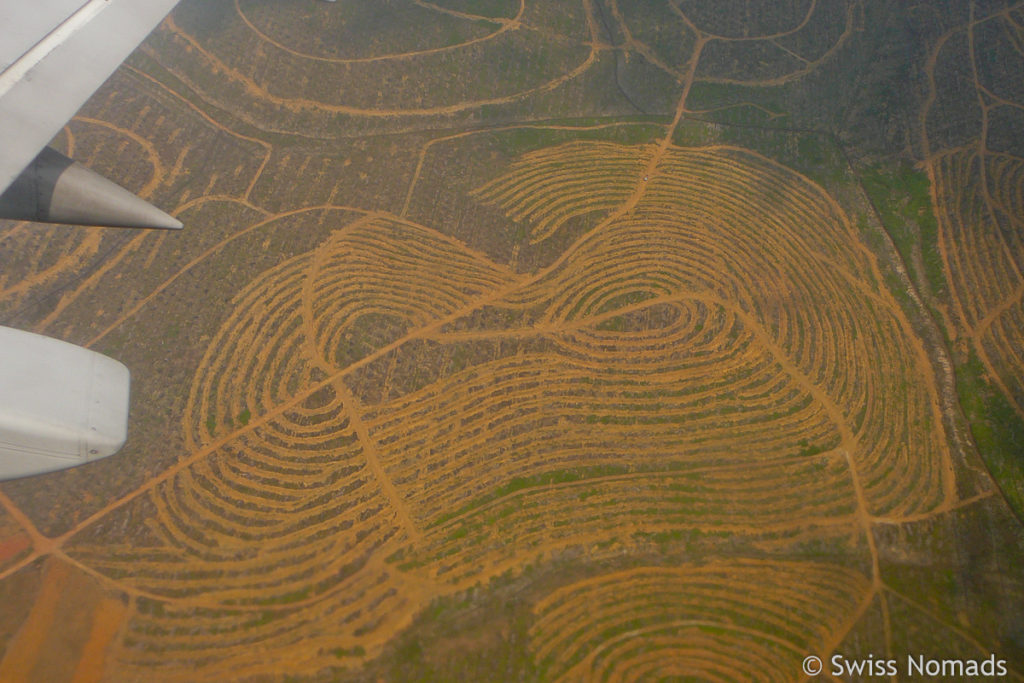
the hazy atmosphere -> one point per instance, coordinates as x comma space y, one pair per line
538, 340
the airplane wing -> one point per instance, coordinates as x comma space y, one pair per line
61, 405
53, 55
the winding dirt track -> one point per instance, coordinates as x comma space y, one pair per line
976, 193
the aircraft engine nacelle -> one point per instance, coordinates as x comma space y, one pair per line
61, 405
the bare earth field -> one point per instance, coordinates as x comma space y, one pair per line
522, 340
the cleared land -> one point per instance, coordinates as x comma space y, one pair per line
653, 387
969, 125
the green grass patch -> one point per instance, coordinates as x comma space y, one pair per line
287, 598
521, 483
724, 96
902, 195
997, 429
809, 449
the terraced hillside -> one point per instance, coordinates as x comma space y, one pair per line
485, 356
969, 127
651, 622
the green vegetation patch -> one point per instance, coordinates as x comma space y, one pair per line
519, 141
810, 153
902, 195
719, 98
478, 635
544, 479
997, 429
505, 9
342, 652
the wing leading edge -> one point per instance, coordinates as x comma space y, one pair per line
61, 405
54, 55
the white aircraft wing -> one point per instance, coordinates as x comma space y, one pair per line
61, 405
53, 55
